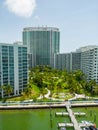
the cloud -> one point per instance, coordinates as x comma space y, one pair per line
24, 8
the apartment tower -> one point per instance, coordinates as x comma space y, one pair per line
13, 68
43, 44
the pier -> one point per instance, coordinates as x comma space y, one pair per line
72, 117
65, 125
82, 125
66, 113
74, 123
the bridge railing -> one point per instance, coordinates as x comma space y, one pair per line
83, 101
29, 103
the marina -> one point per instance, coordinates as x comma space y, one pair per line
72, 117
47, 118
77, 126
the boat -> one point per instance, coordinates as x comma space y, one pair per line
63, 128
89, 125
90, 128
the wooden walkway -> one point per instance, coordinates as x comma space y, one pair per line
72, 125
66, 113
65, 125
72, 117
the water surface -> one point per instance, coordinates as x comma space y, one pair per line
41, 119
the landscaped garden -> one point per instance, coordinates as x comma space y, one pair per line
56, 84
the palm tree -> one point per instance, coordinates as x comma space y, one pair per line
28, 91
90, 86
73, 83
95, 89
8, 89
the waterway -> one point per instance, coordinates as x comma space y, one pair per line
40, 119
91, 114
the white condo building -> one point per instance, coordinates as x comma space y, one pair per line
89, 63
13, 68
84, 59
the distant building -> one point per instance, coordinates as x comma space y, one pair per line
68, 61
13, 68
18, 42
86, 48
43, 44
75, 61
89, 63
62, 61
84, 59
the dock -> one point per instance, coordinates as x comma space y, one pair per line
65, 125
72, 117
66, 113
85, 124
82, 125
74, 123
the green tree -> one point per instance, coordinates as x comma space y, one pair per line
95, 89
56, 80
8, 89
28, 91
90, 86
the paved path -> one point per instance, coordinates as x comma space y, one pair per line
78, 96
46, 95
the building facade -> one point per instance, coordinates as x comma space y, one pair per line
13, 68
75, 61
68, 61
84, 59
62, 61
43, 44
89, 63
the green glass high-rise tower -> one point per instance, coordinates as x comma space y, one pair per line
43, 44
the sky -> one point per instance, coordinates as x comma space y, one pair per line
77, 20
